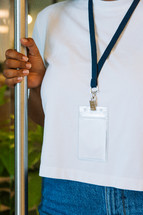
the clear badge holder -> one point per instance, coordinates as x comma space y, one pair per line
92, 136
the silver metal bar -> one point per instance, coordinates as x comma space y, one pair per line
21, 118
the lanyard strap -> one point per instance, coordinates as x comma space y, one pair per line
96, 67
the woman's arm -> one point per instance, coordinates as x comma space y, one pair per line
35, 109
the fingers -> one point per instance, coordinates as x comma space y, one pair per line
10, 53
17, 65
13, 64
14, 76
11, 82
13, 61
27, 42
12, 73
30, 44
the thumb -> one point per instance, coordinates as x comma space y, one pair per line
30, 44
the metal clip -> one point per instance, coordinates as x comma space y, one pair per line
93, 101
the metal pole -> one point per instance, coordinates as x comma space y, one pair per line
21, 119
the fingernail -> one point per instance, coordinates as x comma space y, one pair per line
28, 65
25, 58
19, 78
25, 72
24, 40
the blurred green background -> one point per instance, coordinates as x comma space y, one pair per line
7, 118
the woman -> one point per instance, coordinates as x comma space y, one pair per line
76, 178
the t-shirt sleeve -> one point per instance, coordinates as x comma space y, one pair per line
39, 37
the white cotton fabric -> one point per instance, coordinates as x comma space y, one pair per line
62, 35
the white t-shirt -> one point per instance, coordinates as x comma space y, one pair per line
62, 35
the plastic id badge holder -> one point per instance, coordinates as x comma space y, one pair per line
92, 133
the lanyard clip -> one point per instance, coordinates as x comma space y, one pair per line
93, 101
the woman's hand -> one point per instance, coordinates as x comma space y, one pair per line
18, 65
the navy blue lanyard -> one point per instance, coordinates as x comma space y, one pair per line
96, 67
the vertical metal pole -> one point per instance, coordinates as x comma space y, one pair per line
21, 119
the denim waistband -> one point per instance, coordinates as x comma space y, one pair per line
64, 197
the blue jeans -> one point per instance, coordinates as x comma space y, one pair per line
63, 197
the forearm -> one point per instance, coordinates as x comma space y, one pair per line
35, 109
